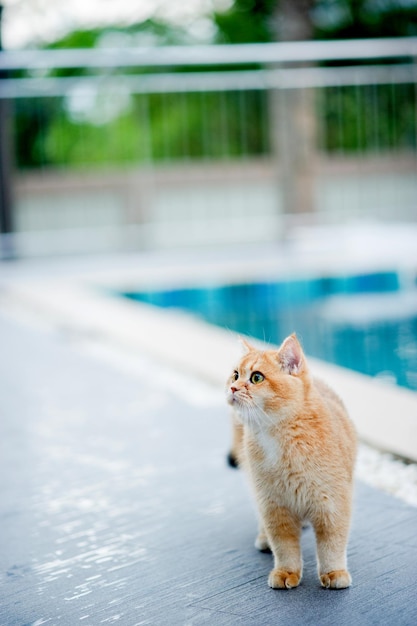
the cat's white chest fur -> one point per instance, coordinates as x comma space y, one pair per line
270, 447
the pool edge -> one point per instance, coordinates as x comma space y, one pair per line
385, 416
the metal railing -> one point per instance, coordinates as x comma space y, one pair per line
238, 54
326, 129
299, 78
392, 49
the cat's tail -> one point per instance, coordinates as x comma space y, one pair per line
232, 460
237, 442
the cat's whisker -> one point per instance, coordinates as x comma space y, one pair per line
252, 416
259, 408
253, 410
257, 414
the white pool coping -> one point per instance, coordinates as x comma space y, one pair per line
385, 415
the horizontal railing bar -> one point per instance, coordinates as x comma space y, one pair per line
285, 52
296, 78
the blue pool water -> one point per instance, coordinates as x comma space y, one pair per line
365, 322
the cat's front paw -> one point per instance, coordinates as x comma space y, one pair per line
338, 579
261, 543
281, 579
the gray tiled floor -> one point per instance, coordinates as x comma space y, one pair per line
117, 507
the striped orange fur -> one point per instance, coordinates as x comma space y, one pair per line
297, 445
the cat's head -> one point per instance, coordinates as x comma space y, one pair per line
268, 384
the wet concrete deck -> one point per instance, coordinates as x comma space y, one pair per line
117, 505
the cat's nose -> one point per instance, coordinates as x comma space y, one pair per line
233, 389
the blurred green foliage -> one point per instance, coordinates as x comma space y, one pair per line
371, 118
247, 21
157, 127
101, 128
255, 20
361, 19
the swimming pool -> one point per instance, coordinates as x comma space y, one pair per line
366, 322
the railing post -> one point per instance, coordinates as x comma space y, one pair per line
293, 118
295, 146
6, 208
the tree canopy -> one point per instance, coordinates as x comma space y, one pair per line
96, 128
256, 20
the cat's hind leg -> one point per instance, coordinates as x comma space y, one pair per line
261, 541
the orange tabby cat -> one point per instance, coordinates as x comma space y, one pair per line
298, 446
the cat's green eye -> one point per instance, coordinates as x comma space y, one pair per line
235, 375
257, 378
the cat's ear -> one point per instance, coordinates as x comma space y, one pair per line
291, 356
245, 346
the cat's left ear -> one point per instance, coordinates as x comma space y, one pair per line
245, 345
291, 356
